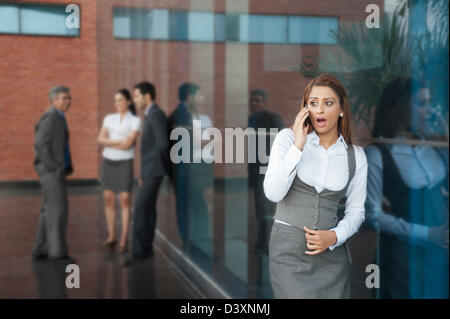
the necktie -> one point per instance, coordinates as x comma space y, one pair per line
66, 147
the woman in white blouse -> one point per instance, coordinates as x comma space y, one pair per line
312, 166
118, 136
407, 196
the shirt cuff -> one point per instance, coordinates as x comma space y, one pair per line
419, 232
340, 238
292, 157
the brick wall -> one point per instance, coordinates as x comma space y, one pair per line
96, 65
29, 67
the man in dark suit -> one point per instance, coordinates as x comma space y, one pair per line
192, 181
261, 118
154, 165
52, 163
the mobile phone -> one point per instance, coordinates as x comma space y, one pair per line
307, 119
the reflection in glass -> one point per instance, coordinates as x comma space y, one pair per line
407, 198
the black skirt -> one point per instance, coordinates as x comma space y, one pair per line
117, 175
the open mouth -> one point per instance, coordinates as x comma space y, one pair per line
321, 121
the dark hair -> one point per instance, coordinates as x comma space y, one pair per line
126, 94
187, 89
146, 88
56, 90
345, 124
259, 92
394, 106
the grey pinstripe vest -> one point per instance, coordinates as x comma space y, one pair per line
303, 206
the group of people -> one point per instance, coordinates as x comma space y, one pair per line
118, 136
313, 167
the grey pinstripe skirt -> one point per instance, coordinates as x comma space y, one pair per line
117, 175
297, 275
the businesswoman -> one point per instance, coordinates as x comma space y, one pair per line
407, 195
118, 136
312, 166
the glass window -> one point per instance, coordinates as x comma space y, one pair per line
219, 24
243, 27
267, 29
121, 23
45, 20
160, 24
178, 25
232, 26
201, 26
312, 30
140, 24
9, 18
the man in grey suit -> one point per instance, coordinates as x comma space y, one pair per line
154, 165
52, 163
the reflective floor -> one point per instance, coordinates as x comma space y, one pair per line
101, 273
229, 257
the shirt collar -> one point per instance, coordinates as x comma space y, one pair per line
128, 114
315, 138
61, 113
148, 109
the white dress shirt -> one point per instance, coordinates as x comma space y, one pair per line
419, 167
119, 130
208, 150
321, 168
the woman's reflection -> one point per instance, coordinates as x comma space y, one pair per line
407, 196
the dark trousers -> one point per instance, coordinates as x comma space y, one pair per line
52, 225
144, 223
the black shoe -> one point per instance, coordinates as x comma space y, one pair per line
66, 260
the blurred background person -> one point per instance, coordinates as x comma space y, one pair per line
118, 136
407, 197
53, 163
193, 181
154, 166
261, 118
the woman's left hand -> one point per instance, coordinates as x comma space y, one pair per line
319, 240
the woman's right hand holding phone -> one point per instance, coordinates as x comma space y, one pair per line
300, 129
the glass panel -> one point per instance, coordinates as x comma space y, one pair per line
122, 23
160, 24
140, 24
267, 29
232, 26
9, 19
219, 27
45, 20
312, 30
201, 26
240, 69
178, 23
